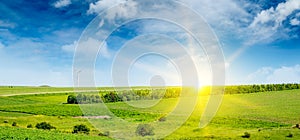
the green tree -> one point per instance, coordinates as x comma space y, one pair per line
44, 125
72, 99
81, 129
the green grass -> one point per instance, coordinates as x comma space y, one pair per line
267, 115
6, 90
8, 133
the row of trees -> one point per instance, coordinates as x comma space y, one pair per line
125, 95
147, 94
260, 88
144, 94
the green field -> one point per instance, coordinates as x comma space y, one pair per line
266, 115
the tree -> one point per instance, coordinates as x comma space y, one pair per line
44, 125
79, 98
72, 99
29, 126
14, 124
81, 129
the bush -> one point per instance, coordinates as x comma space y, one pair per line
81, 129
44, 125
290, 135
144, 130
106, 133
246, 135
162, 119
29, 126
72, 99
14, 124
5, 121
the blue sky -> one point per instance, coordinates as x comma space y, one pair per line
260, 40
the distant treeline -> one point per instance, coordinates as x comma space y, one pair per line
174, 92
240, 89
125, 95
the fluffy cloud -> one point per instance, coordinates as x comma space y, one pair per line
249, 27
294, 22
104, 51
69, 48
62, 3
268, 24
225, 13
126, 9
101, 5
276, 75
277, 15
226, 17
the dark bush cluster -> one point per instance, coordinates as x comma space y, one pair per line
290, 135
29, 126
81, 129
246, 135
44, 125
84, 99
14, 124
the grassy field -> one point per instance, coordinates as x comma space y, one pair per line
268, 115
6, 90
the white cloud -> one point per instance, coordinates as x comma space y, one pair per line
62, 3
88, 48
294, 22
6, 24
276, 75
266, 26
125, 9
277, 15
225, 13
227, 17
1, 46
285, 75
104, 51
69, 47
102, 5
267, 23
259, 75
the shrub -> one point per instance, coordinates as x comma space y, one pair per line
144, 130
5, 121
29, 126
246, 135
162, 119
72, 99
290, 135
106, 133
14, 124
81, 129
44, 125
